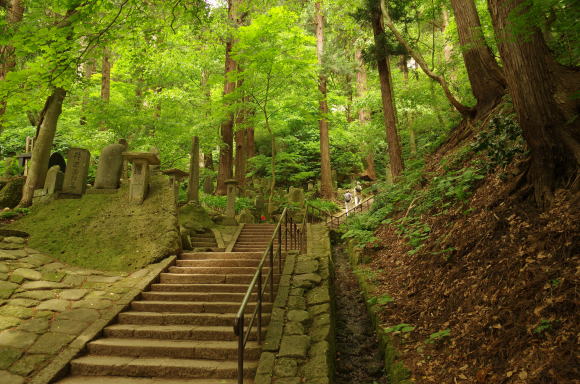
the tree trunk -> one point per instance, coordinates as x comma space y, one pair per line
326, 189
14, 15
106, 76
395, 153
537, 86
485, 75
408, 115
364, 114
227, 127
250, 143
207, 181
43, 145
463, 109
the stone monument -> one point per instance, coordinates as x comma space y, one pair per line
77, 170
230, 218
110, 167
140, 177
175, 177
54, 180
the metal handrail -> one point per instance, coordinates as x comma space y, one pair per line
330, 219
295, 235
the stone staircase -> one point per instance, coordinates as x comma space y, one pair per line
205, 240
254, 238
180, 331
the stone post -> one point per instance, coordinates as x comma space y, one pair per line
231, 207
141, 175
175, 175
193, 188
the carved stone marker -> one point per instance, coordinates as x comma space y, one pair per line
176, 175
140, 177
110, 167
77, 170
54, 180
230, 218
193, 191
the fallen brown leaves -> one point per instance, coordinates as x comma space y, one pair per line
508, 291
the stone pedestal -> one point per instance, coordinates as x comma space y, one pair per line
141, 175
77, 170
54, 180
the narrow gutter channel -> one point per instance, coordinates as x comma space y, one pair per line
358, 356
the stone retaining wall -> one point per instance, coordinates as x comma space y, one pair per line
300, 346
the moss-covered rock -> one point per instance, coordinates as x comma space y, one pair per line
194, 218
11, 193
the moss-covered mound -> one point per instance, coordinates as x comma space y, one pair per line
194, 218
11, 192
106, 231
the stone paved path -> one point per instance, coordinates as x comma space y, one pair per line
45, 305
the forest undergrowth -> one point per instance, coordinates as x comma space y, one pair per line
482, 285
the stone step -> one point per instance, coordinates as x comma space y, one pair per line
173, 332
178, 278
218, 288
193, 296
146, 380
219, 255
192, 307
219, 263
210, 319
213, 270
199, 244
158, 367
180, 349
209, 236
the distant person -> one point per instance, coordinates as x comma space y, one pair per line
347, 200
357, 194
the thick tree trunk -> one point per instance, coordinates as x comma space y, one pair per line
225, 169
43, 145
463, 109
485, 75
326, 189
395, 153
250, 143
14, 15
544, 109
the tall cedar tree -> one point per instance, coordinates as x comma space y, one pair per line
541, 90
225, 170
364, 114
325, 171
485, 75
382, 56
14, 15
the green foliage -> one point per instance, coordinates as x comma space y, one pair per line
10, 167
380, 300
399, 328
16, 212
543, 327
324, 205
501, 141
438, 337
219, 203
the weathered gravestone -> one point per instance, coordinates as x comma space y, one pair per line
54, 180
77, 170
296, 196
110, 167
140, 176
230, 218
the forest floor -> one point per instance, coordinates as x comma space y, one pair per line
492, 294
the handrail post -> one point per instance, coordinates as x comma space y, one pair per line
240, 325
279, 253
286, 233
291, 233
260, 306
272, 272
